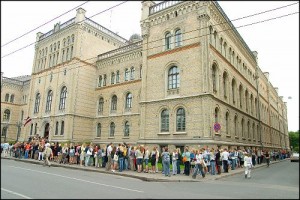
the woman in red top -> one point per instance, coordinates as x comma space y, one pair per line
27, 149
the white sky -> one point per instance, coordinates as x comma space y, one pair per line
276, 41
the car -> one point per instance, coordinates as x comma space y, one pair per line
295, 157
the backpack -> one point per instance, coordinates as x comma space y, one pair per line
166, 157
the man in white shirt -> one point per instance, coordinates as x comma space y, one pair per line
224, 157
108, 150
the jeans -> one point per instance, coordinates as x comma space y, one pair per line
26, 153
121, 163
166, 169
174, 166
225, 165
213, 167
233, 165
86, 161
178, 166
187, 168
125, 164
200, 168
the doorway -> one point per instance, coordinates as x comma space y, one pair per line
46, 133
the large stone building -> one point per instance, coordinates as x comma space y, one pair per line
189, 79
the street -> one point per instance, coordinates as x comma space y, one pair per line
31, 181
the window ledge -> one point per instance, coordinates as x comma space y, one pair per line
125, 137
179, 133
111, 138
236, 137
173, 91
229, 136
164, 133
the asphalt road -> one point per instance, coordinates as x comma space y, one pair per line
21, 180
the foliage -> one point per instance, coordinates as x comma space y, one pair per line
294, 140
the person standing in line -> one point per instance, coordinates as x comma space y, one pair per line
165, 155
186, 155
212, 162
174, 161
146, 159
253, 157
40, 149
139, 158
153, 159
267, 158
258, 156
178, 160
156, 161
47, 154
120, 153
199, 164
98, 159
225, 156
247, 164
109, 159
218, 161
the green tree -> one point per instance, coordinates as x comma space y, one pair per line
294, 140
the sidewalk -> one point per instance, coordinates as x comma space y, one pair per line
157, 177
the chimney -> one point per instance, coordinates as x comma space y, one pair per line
38, 35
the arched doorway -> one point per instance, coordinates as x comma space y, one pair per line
46, 133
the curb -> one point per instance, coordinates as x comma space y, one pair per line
148, 179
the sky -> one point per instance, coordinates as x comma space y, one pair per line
276, 41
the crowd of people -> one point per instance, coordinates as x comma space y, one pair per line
139, 158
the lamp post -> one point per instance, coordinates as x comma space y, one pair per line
19, 124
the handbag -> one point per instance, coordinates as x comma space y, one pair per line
184, 159
88, 153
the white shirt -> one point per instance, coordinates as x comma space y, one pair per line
224, 155
199, 158
109, 149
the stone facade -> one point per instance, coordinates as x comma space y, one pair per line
168, 87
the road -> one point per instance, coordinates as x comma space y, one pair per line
21, 180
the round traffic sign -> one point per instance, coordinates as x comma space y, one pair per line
217, 127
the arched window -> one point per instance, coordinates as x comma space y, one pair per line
37, 103
225, 80
114, 101
235, 127
178, 38
215, 39
56, 128
100, 106
73, 38
246, 99
126, 129
128, 104
216, 115
126, 74
35, 129
112, 130
49, 101
243, 131
67, 54
62, 128
71, 53
233, 86
248, 129
227, 123
6, 97
164, 127
180, 120
174, 78
253, 132
4, 132
63, 98
98, 130
251, 104
31, 129
241, 96
118, 77
132, 73
168, 40
12, 98
104, 80
6, 115
100, 81
141, 70
214, 77
112, 78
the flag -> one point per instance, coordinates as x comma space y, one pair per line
27, 120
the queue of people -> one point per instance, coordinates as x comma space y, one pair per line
112, 157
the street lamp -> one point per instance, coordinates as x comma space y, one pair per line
19, 124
